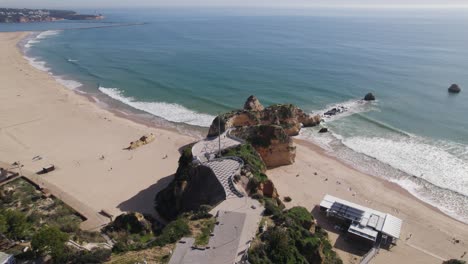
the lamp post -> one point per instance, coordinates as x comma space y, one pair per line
219, 135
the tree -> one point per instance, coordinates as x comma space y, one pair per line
17, 224
3, 224
50, 241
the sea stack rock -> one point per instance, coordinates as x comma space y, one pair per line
252, 104
369, 97
323, 130
454, 88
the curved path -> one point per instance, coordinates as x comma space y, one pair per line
225, 169
207, 147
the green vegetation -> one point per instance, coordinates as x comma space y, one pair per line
24, 211
252, 161
290, 240
46, 222
95, 256
50, 241
207, 227
131, 231
174, 231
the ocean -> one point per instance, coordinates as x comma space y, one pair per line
184, 66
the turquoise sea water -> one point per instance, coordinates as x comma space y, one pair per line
186, 65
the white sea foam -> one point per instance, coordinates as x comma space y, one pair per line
170, 112
31, 43
429, 162
71, 84
350, 107
435, 172
38, 64
48, 33
41, 36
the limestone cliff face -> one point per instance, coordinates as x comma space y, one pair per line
253, 104
267, 129
290, 117
270, 141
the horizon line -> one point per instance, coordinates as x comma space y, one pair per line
403, 6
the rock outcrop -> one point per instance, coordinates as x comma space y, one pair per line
192, 187
454, 88
369, 97
252, 104
288, 116
268, 189
323, 130
267, 129
270, 141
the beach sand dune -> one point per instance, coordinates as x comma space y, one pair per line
39, 117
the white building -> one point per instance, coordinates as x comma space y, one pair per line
364, 222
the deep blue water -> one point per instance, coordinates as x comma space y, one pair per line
187, 65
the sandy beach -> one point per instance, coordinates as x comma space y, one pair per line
40, 117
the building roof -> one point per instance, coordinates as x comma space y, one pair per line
364, 217
363, 232
4, 257
392, 226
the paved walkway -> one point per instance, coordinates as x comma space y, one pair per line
238, 216
207, 147
225, 170
231, 236
94, 221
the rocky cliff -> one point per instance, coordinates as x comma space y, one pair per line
270, 141
267, 129
288, 116
192, 187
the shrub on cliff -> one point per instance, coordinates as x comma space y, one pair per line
252, 161
174, 231
290, 241
300, 216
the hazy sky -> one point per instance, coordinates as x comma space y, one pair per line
260, 3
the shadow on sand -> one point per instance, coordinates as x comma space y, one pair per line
343, 242
143, 202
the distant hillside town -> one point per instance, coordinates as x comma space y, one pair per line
12, 15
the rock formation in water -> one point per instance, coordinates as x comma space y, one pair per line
252, 104
267, 129
454, 88
288, 116
323, 130
369, 97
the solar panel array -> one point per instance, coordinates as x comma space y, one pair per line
347, 211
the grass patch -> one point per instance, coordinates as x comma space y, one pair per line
27, 202
207, 226
252, 161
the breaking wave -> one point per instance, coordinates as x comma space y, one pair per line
171, 112
435, 171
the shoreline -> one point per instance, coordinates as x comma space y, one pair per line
109, 129
391, 185
179, 128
